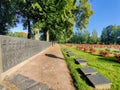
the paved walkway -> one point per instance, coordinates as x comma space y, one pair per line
48, 68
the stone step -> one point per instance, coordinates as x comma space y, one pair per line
80, 61
88, 71
99, 82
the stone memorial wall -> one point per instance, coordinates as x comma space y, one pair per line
15, 50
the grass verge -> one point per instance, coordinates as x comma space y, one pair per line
105, 66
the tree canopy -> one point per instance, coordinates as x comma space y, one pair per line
111, 35
55, 19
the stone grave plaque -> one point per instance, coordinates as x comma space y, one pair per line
39, 86
99, 82
81, 61
70, 54
66, 50
88, 71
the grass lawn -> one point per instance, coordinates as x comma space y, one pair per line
104, 66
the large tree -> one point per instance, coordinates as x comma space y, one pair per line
7, 16
83, 13
111, 34
54, 18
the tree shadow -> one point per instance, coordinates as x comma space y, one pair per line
108, 59
116, 66
53, 56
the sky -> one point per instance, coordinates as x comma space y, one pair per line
106, 12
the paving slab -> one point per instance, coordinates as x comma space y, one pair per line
1, 87
17, 78
88, 71
81, 61
99, 82
39, 86
21, 81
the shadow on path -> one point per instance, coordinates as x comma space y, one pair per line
53, 56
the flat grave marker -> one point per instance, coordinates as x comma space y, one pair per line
88, 71
70, 54
99, 82
81, 61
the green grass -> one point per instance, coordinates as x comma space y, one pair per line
104, 66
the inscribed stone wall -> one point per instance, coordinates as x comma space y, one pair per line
15, 50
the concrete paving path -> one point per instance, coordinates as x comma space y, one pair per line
48, 68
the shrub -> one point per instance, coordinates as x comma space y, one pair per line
117, 56
104, 53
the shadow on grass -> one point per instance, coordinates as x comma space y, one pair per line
53, 56
83, 77
116, 65
108, 59
74, 81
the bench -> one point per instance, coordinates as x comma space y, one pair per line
99, 82
81, 61
88, 71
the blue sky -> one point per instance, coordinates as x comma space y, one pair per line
106, 12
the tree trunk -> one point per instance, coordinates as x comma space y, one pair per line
29, 29
36, 34
47, 36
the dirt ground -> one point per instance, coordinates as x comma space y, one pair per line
49, 68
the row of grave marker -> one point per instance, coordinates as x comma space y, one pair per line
98, 81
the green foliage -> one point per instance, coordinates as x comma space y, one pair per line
7, 16
84, 37
83, 13
94, 37
111, 35
18, 34
54, 18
